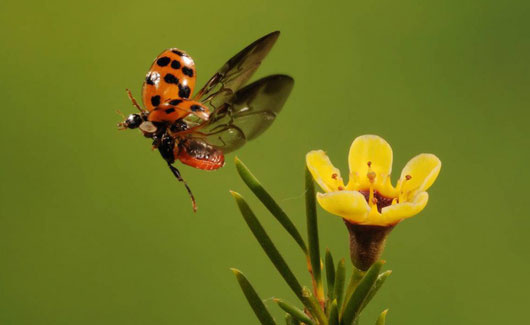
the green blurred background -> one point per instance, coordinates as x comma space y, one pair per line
95, 230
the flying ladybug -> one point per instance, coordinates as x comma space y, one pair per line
198, 130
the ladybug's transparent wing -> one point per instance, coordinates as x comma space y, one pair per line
236, 72
247, 114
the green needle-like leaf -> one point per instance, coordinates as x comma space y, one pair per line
382, 318
295, 312
378, 283
253, 299
289, 320
312, 231
334, 313
330, 275
340, 278
267, 200
267, 244
355, 278
315, 306
276, 258
354, 304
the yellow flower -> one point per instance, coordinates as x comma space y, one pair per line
369, 198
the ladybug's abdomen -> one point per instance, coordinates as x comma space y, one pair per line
197, 153
171, 76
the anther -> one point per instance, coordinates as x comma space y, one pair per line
371, 176
402, 194
341, 188
334, 175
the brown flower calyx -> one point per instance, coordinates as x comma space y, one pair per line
366, 243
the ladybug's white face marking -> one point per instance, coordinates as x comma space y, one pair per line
148, 127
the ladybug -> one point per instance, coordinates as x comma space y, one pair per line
198, 130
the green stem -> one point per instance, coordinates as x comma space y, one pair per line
312, 235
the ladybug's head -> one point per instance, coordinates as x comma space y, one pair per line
133, 121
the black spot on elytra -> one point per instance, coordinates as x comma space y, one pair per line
177, 52
148, 80
171, 79
155, 100
175, 64
184, 91
163, 61
175, 102
187, 71
196, 108
170, 110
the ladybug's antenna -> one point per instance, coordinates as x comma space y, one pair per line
176, 172
133, 100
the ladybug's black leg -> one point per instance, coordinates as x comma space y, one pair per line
176, 172
133, 100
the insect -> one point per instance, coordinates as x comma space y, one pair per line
221, 117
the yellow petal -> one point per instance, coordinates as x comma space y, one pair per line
423, 169
374, 149
324, 173
349, 205
394, 213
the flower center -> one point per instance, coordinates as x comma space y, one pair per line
379, 200
373, 197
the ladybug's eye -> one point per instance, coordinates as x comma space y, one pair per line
133, 121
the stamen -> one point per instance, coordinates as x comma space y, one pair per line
341, 188
334, 175
379, 202
401, 184
371, 174
373, 210
371, 177
371, 197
